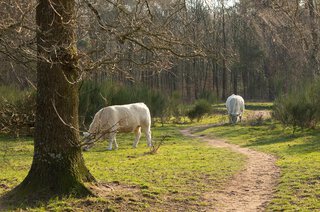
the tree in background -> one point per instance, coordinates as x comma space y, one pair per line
255, 48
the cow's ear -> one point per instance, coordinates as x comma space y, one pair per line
86, 134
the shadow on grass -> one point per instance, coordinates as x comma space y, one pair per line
309, 146
308, 137
258, 107
302, 142
8, 139
272, 140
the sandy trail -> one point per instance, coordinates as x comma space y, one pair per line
249, 190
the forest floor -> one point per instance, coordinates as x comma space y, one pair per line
249, 190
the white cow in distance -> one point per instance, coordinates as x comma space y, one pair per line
119, 118
235, 108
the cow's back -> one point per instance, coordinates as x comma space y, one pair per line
235, 104
126, 118
141, 113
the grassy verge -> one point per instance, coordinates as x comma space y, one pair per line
15, 161
298, 157
174, 178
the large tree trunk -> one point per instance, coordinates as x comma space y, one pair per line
58, 167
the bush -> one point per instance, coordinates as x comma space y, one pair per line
209, 96
17, 115
94, 96
158, 105
299, 109
201, 108
91, 99
11, 93
258, 119
174, 108
156, 102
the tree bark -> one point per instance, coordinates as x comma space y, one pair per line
58, 167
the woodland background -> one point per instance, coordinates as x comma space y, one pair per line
169, 53
194, 48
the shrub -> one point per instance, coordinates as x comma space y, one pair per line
11, 93
158, 105
17, 115
209, 96
91, 99
201, 108
257, 119
94, 96
299, 109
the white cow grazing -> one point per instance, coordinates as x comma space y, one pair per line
120, 118
235, 107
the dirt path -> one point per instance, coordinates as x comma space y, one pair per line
249, 190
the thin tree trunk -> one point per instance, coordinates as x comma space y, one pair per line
235, 81
224, 65
216, 78
315, 40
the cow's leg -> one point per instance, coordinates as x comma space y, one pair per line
147, 132
115, 141
230, 119
137, 132
112, 138
240, 117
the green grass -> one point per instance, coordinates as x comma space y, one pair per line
219, 113
248, 106
178, 174
258, 105
177, 153
298, 157
15, 160
183, 168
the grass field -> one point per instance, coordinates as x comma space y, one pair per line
175, 177
298, 158
183, 169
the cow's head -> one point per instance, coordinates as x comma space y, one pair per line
234, 118
88, 141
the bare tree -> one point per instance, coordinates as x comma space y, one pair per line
58, 167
